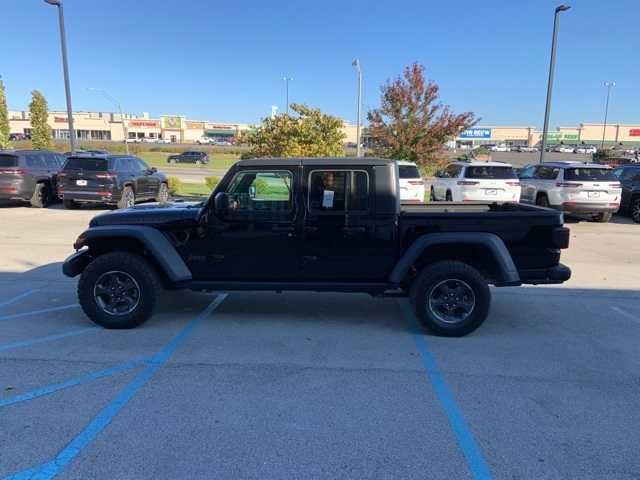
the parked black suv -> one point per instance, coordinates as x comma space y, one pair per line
199, 158
30, 176
317, 224
120, 180
629, 176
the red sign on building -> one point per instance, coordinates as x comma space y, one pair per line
634, 132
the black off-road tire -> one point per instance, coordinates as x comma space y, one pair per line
449, 197
434, 275
126, 192
41, 196
70, 204
603, 217
131, 264
634, 210
432, 195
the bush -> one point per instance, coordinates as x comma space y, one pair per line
174, 184
212, 182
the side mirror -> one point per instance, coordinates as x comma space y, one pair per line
221, 204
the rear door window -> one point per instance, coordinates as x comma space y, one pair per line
8, 161
88, 164
35, 160
547, 173
590, 174
408, 171
490, 173
338, 191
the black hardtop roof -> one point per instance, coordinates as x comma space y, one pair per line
321, 161
19, 152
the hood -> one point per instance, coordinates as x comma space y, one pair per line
154, 215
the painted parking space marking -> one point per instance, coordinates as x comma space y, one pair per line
52, 468
626, 314
18, 297
37, 312
48, 338
475, 461
87, 378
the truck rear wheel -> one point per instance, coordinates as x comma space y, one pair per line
118, 290
451, 298
41, 196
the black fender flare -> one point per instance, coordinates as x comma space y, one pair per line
508, 273
154, 242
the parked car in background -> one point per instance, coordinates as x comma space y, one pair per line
120, 180
501, 148
585, 149
14, 137
223, 143
411, 182
589, 189
163, 140
630, 151
133, 140
199, 158
204, 141
476, 181
564, 148
525, 149
629, 177
30, 176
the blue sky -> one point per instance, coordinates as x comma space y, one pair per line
225, 60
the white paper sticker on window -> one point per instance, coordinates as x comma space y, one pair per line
327, 199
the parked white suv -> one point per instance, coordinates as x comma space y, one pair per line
501, 148
476, 181
411, 183
589, 189
204, 141
585, 149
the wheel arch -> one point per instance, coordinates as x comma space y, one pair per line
484, 251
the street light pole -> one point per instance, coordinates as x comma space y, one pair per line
65, 66
356, 65
118, 105
606, 110
286, 81
552, 67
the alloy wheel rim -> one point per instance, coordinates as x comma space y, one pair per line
164, 193
116, 293
129, 199
451, 301
635, 214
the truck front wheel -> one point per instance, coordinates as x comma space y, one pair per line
118, 290
451, 298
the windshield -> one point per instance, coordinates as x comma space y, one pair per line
408, 171
590, 174
491, 173
87, 163
8, 161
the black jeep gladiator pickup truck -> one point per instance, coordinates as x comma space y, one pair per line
318, 224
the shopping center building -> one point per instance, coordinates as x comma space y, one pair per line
584, 133
100, 126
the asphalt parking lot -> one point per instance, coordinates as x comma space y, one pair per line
299, 385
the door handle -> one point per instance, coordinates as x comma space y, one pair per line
354, 229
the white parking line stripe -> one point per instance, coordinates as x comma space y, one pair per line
625, 314
36, 312
19, 297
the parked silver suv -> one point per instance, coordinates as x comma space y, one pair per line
587, 189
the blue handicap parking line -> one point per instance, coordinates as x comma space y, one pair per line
466, 442
48, 338
38, 312
87, 378
19, 297
66, 455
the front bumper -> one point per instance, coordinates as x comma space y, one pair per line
542, 276
75, 264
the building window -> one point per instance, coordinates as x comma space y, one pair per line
100, 135
60, 134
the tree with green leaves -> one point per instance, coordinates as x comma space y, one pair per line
40, 129
4, 119
306, 133
411, 124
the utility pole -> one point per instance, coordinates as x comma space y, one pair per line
286, 81
606, 110
118, 105
356, 65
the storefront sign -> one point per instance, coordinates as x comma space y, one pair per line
144, 123
60, 119
222, 127
171, 122
476, 133
195, 125
561, 137
634, 132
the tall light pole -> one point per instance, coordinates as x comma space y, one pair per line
552, 67
118, 105
356, 66
286, 82
65, 66
606, 109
